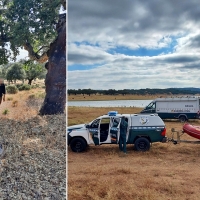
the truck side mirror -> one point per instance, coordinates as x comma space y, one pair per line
87, 126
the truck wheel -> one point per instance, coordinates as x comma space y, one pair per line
78, 145
142, 144
182, 119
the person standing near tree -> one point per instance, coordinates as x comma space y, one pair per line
122, 137
2, 90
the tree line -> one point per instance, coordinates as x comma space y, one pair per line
147, 91
22, 70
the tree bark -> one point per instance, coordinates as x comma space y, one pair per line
55, 82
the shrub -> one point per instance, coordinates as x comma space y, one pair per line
11, 89
5, 112
24, 87
18, 85
35, 86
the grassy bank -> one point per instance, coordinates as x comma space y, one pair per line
98, 97
166, 172
80, 115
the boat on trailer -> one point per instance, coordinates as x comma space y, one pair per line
191, 130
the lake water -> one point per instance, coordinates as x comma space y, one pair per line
114, 103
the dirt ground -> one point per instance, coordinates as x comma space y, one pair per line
166, 172
33, 163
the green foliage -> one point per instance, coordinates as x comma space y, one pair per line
27, 22
29, 70
42, 74
15, 72
18, 85
11, 89
3, 70
35, 86
5, 112
33, 70
24, 87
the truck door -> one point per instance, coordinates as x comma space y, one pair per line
115, 129
104, 130
94, 131
127, 134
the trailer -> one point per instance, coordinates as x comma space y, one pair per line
176, 137
182, 108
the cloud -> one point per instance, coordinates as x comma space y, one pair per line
86, 54
133, 44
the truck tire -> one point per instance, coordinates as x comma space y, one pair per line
182, 118
142, 144
78, 144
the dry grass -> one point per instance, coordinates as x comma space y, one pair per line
17, 104
166, 172
98, 97
79, 115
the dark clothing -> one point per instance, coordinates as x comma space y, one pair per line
123, 127
2, 90
122, 143
122, 137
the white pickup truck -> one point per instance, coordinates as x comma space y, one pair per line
142, 130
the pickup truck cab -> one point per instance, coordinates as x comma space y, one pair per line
142, 130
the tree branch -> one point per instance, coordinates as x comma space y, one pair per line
35, 56
41, 48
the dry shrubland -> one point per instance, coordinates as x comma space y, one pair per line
33, 165
166, 172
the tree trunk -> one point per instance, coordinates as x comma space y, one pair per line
30, 81
55, 82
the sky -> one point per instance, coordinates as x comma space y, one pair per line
126, 44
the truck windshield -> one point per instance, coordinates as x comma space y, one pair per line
151, 106
95, 123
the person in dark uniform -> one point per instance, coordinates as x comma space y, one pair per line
2, 91
122, 137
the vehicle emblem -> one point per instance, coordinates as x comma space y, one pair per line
144, 120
